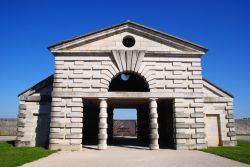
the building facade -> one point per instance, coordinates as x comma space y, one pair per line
126, 65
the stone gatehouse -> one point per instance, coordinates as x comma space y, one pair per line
126, 65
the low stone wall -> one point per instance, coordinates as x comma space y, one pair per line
242, 126
124, 128
8, 126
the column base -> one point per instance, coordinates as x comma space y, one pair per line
102, 147
154, 147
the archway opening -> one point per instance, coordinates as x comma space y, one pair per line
124, 126
128, 82
128, 123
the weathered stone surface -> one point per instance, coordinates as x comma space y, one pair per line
74, 125
181, 115
230, 125
182, 136
74, 136
56, 135
197, 115
84, 70
198, 136
231, 134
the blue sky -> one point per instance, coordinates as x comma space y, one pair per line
29, 27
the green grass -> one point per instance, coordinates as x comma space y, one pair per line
239, 153
11, 156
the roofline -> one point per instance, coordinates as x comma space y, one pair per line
124, 23
34, 85
229, 94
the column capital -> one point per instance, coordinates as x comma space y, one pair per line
153, 103
103, 98
153, 99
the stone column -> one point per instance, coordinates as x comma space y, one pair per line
153, 136
103, 135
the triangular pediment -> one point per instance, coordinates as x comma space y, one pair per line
111, 39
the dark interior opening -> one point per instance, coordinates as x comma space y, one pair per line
141, 139
128, 41
128, 82
90, 122
165, 123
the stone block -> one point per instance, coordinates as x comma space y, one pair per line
195, 77
231, 134
77, 109
198, 136
76, 130
74, 104
74, 125
197, 125
57, 114
229, 116
56, 135
22, 107
55, 130
182, 136
55, 141
230, 125
74, 136
77, 99
182, 125
57, 125
75, 141
21, 115
197, 105
197, 115
181, 115
66, 147
76, 120
75, 114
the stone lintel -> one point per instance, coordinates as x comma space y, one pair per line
126, 95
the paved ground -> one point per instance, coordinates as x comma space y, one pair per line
129, 157
124, 155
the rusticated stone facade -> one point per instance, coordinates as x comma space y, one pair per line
167, 80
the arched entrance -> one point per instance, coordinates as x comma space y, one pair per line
154, 116
129, 82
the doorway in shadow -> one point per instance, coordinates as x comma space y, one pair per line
128, 124
90, 123
165, 123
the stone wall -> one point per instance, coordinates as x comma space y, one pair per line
93, 73
242, 126
124, 128
34, 115
8, 126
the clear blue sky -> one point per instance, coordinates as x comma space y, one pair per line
28, 27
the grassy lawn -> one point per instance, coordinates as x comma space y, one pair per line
239, 153
11, 156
